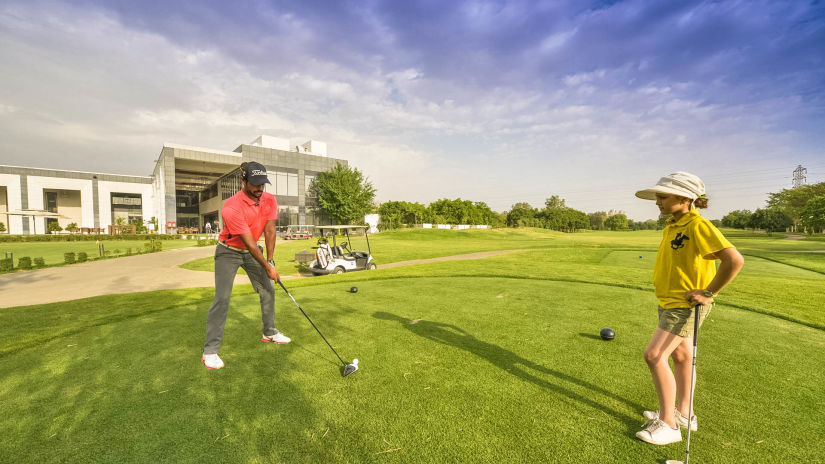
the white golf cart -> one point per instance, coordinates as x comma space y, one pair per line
337, 258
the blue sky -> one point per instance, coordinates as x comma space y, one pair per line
491, 101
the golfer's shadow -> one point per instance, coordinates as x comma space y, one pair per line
510, 362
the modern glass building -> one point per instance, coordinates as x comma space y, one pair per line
186, 190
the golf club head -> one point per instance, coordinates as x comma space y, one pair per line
351, 368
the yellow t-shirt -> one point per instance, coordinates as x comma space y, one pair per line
686, 258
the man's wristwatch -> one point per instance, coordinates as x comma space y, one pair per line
708, 293
271, 262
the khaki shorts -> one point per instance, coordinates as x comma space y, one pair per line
679, 321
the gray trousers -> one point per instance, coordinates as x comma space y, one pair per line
227, 262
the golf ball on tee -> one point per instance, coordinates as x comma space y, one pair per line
355, 361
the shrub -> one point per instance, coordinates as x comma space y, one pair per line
72, 227
2, 227
54, 227
206, 242
85, 237
25, 262
6, 264
82, 257
39, 262
69, 257
153, 246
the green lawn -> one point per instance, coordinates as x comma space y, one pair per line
493, 360
52, 252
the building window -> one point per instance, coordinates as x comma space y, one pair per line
286, 183
230, 184
209, 192
308, 179
51, 202
287, 215
128, 207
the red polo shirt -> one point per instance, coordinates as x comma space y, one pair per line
241, 215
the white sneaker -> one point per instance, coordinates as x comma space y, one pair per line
681, 420
277, 338
211, 361
659, 433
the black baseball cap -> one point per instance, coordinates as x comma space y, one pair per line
254, 173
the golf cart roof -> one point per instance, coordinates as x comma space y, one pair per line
341, 227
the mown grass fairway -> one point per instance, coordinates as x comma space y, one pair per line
494, 360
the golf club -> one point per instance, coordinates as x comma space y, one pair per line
348, 368
692, 379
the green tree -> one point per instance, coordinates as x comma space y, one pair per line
2, 227
738, 219
460, 211
813, 215
72, 227
344, 193
770, 219
54, 227
597, 220
616, 222
396, 213
140, 228
521, 215
563, 219
793, 201
554, 202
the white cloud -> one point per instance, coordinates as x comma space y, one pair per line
418, 136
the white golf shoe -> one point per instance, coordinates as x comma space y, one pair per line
659, 433
211, 361
279, 338
681, 420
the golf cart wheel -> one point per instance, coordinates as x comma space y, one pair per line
338, 270
371, 266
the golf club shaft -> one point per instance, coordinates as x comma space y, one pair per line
692, 378
310, 321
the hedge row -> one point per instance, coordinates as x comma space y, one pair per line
82, 238
24, 262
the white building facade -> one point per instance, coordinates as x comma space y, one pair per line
186, 190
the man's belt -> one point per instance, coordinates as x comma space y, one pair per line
241, 250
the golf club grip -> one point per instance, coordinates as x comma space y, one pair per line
696, 324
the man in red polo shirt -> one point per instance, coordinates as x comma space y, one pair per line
246, 215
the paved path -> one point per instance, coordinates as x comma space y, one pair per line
141, 273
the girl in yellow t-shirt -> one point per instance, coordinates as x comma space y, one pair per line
685, 275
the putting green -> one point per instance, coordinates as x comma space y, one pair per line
452, 369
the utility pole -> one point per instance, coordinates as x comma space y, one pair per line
799, 176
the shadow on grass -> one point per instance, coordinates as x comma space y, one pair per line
512, 363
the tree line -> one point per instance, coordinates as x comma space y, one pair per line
800, 209
347, 195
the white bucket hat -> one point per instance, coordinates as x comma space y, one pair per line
683, 184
